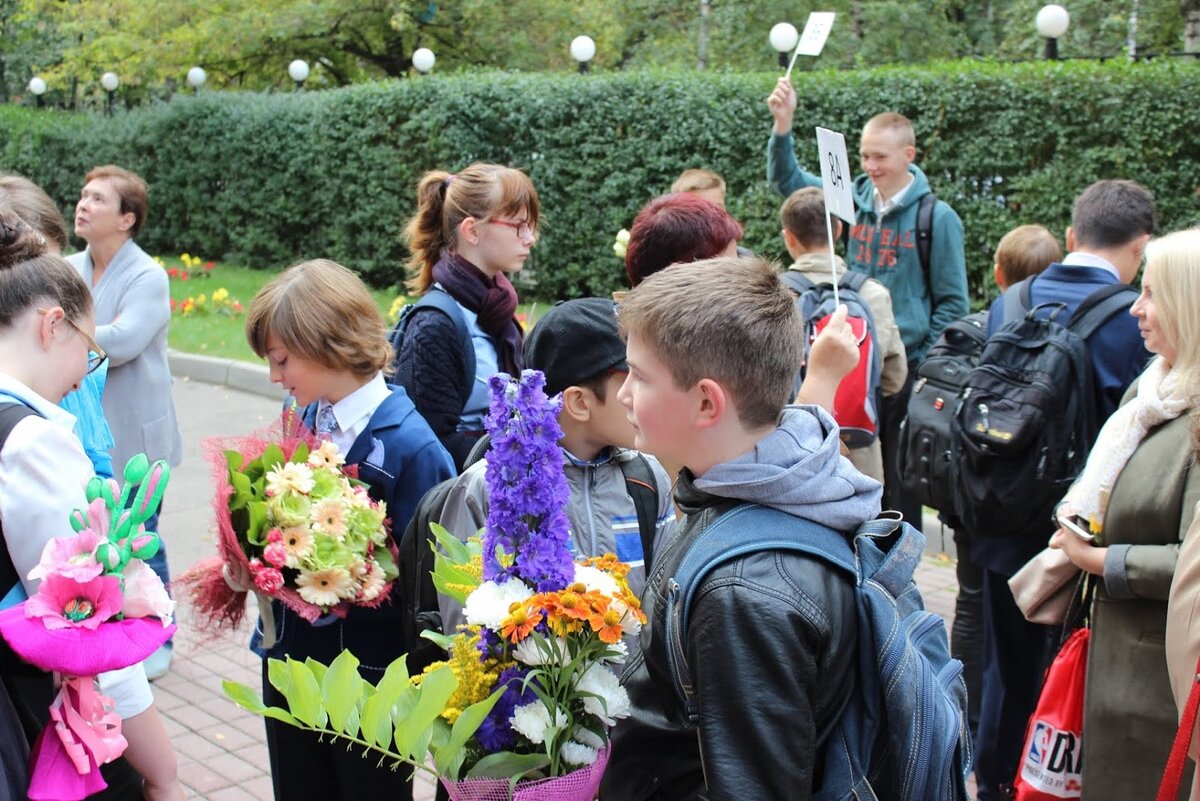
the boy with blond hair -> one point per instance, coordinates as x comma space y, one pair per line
887, 242
704, 184
772, 643
803, 216
1024, 251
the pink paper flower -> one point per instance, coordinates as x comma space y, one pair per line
269, 580
63, 603
72, 557
275, 554
145, 595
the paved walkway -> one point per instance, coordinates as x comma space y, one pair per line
221, 749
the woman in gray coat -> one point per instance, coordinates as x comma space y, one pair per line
1137, 495
133, 312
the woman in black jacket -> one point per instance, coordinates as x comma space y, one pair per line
470, 231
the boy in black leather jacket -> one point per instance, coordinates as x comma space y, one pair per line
713, 350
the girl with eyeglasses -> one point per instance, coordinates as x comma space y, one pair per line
46, 341
133, 313
471, 231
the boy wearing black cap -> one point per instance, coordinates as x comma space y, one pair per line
577, 346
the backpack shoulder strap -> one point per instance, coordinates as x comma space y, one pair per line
415, 565
478, 450
1017, 301
1098, 307
925, 234
10, 415
745, 529
796, 282
441, 300
643, 489
853, 280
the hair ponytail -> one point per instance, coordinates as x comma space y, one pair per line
425, 233
29, 275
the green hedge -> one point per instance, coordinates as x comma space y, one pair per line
266, 179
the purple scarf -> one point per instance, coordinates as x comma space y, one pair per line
493, 300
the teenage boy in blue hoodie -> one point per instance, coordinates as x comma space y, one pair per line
883, 244
772, 636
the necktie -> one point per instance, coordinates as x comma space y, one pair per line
326, 422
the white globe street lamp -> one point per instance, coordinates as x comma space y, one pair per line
298, 70
784, 38
196, 77
110, 82
423, 59
583, 49
37, 88
1052, 22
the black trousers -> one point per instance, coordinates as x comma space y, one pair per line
966, 635
304, 768
894, 408
1016, 654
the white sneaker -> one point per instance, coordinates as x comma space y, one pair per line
158, 663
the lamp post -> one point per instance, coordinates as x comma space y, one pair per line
298, 70
784, 38
1052, 22
583, 49
37, 88
196, 77
110, 82
423, 59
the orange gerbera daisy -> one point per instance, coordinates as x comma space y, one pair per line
520, 621
573, 605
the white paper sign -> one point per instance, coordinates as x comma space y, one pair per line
835, 174
816, 31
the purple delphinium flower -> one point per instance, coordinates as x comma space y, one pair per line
496, 733
526, 486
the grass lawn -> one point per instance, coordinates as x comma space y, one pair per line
216, 329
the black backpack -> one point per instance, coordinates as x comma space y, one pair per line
1026, 416
928, 432
416, 546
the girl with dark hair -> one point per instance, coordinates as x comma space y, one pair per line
471, 231
46, 348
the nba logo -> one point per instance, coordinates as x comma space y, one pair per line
1039, 743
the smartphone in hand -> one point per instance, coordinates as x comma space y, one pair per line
1076, 526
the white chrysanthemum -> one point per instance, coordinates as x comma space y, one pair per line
577, 753
622, 654
290, 477
587, 737
488, 604
532, 720
527, 652
630, 625
596, 579
612, 703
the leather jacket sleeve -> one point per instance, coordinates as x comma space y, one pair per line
771, 643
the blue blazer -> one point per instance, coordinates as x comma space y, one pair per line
1118, 356
400, 459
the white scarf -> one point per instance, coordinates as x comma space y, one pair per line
1159, 399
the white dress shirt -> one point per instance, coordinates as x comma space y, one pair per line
43, 478
1078, 259
354, 411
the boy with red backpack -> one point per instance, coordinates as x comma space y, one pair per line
882, 369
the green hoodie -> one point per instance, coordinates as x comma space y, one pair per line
886, 249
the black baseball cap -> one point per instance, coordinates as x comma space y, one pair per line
574, 341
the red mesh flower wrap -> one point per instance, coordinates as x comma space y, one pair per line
580, 785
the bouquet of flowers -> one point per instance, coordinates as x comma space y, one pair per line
295, 525
99, 607
523, 705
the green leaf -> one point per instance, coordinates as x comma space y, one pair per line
242, 493
341, 691
244, 696
464, 728
507, 765
279, 675
257, 522
456, 551
377, 709
301, 453
318, 669
272, 457
444, 641
234, 460
304, 695
436, 689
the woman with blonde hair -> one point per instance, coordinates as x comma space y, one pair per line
471, 231
1134, 502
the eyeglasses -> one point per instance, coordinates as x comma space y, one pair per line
96, 354
523, 228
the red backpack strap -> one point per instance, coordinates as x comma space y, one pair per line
1177, 761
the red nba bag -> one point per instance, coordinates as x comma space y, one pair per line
856, 402
1052, 762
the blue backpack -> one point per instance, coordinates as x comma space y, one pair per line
903, 733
